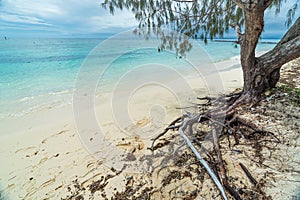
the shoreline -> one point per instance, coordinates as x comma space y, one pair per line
11, 124
64, 98
41, 151
235, 41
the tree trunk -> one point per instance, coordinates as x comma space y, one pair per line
262, 73
255, 81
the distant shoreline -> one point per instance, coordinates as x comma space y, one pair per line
235, 41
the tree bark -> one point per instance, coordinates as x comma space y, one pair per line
262, 73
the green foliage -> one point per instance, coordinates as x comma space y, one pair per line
290, 15
209, 17
277, 4
294, 93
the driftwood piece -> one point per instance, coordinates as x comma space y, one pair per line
189, 122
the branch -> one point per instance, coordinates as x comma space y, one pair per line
267, 3
238, 3
238, 32
286, 50
292, 33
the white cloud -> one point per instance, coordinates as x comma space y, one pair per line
84, 16
71, 16
107, 21
42, 9
22, 19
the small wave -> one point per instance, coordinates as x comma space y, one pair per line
26, 98
60, 92
19, 110
44, 95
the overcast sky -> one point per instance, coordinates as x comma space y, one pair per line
85, 18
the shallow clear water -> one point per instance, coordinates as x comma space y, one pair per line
32, 70
37, 73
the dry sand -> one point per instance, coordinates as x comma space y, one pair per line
43, 157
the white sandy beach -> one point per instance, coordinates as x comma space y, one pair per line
42, 156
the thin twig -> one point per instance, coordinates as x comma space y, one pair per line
266, 132
171, 126
248, 174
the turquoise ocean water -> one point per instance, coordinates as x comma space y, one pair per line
41, 73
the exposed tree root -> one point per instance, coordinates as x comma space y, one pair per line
220, 116
171, 126
185, 125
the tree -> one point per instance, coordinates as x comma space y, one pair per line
210, 18
214, 17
